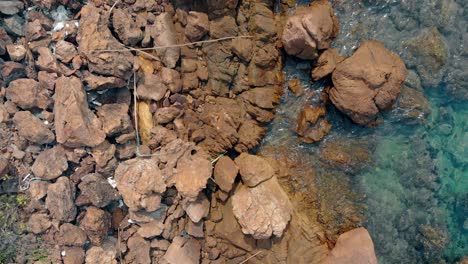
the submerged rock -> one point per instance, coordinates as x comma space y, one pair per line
310, 29
367, 82
353, 247
311, 125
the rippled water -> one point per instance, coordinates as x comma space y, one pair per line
416, 187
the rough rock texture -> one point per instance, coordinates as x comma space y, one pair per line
97, 190
193, 172
141, 183
32, 128
225, 172
75, 124
99, 255
97, 82
94, 34
50, 163
254, 169
115, 119
262, 211
60, 200
27, 94
197, 25
127, 30
73, 255
412, 104
353, 247
183, 250
163, 33
198, 209
96, 224
71, 235
139, 251
310, 29
39, 223
311, 125
367, 82
326, 63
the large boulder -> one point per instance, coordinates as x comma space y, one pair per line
367, 82
310, 29
353, 247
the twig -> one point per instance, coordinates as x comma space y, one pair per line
247, 259
115, 3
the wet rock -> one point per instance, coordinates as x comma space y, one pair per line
164, 34
367, 82
115, 119
225, 173
254, 169
353, 247
32, 128
11, 7
311, 127
60, 200
16, 52
73, 255
50, 163
262, 211
38, 223
197, 25
75, 124
14, 25
71, 235
151, 229
183, 250
27, 94
97, 190
96, 224
326, 63
193, 172
100, 255
138, 250
165, 115
346, 154
310, 29
428, 53
65, 51
141, 183
12, 71
96, 82
94, 34
412, 104
127, 30
198, 209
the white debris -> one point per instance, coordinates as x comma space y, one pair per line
63, 253
112, 182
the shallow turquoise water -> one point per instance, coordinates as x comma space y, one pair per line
416, 188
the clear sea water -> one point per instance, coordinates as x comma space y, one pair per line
416, 187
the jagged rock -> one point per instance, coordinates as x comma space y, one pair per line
310, 29
193, 172
225, 172
152, 87
128, 31
412, 104
353, 247
326, 63
94, 34
138, 250
48, 62
47, 79
50, 163
60, 200
266, 98
27, 94
198, 209
14, 25
16, 52
65, 51
37, 189
171, 78
162, 136
254, 169
4, 164
311, 125
12, 71
97, 82
96, 224
38, 223
195, 229
100, 255
115, 119
243, 48
183, 250
165, 115
164, 34
11, 7
197, 25
141, 184
151, 229
71, 235
367, 82
73, 255
32, 128
262, 211
4, 116
250, 135
98, 190
75, 124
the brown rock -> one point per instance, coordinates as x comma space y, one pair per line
11, 7
326, 63
367, 82
164, 34
37, 189
197, 25
152, 87
73, 255
266, 98
128, 31
71, 235
151, 229
100, 255
115, 119
412, 104
38, 223
162, 136
12, 71
60, 200
47, 80
262, 211
96, 224
75, 124
4, 115
311, 126
94, 34
197, 209
171, 78
34, 31
32, 128
50, 163
98, 190
193, 172
27, 94
254, 169
138, 251
183, 250
96, 82
141, 183
195, 229
310, 29
160, 244
16, 52
65, 51
250, 135
47, 61
353, 247
225, 173
165, 115
223, 27
243, 48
